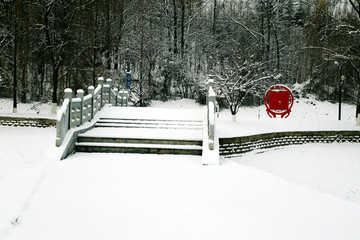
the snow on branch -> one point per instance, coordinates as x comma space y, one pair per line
236, 80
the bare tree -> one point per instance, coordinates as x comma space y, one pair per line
236, 80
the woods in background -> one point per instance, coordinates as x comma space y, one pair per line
172, 46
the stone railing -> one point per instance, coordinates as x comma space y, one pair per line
76, 111
211, 98
240, 145
210, 154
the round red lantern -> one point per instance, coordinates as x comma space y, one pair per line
278, 101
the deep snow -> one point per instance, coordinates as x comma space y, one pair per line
297, 192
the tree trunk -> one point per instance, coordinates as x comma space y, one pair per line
357, 116
15, 71
233, 111
23, 89
175, 28
233, 117
15, 57
277, 49
108, 36
55, 79
267, 58
95, 35
182, 40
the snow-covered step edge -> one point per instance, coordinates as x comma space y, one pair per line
168, 141
155, 126
153, 113
145, 133
185, 121
139, 122
138, 145
139, 148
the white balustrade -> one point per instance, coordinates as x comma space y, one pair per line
75, 112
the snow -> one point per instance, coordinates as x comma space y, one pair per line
111, 196
312, 166
307, 115
29, 110
170, 134
21, 168
297, 192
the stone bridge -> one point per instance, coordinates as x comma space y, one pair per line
102, 121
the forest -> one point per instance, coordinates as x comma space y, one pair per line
171, 48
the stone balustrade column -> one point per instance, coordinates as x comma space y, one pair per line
121, 94
116, 91
91, 91
126, 98
101, 83
68, 95
80, 94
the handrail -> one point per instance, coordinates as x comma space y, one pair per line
61, 122
75, 112
210, 140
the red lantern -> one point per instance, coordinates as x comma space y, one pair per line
278, 101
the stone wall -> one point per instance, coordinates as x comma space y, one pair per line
27, 122
240, 145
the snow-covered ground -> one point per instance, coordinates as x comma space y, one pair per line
306, 115
296, 192
21, 168
30, 110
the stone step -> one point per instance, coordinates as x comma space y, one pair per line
101, 139
157, 126
175, 121
151, 122
148, 136
145, 133
138, 148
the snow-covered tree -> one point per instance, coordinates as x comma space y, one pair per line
237, 80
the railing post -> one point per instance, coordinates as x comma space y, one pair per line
209, 84
211, 118
116, 91
109, 82
91, 91
80, 94
125, 98
68, 95
101, 83
121, 94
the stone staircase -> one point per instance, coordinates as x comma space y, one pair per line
134, 134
